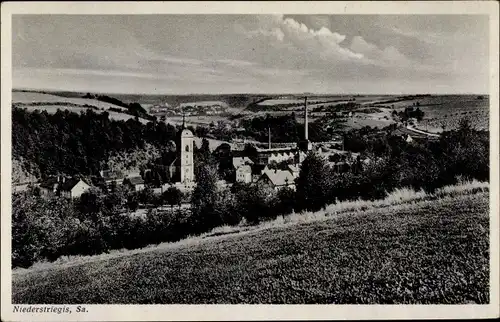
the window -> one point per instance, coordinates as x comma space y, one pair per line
187, 148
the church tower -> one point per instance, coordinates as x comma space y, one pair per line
185, 162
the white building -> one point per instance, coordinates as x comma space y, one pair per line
244, 174
182, 168
73, 188
64, 187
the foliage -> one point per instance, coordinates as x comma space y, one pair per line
172, 196
411, 112
255, 202
70, 143
425, 253
286, 201
312, 183
203, 200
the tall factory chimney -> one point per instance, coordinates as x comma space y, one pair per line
304, 144
269, 134
306, 123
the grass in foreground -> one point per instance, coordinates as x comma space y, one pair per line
431, 251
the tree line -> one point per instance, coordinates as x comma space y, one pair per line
47, 229
69, 143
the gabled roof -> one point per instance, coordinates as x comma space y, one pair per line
279, 177
293, 168
70, 183
240, 161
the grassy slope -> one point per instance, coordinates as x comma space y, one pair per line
48, 99
424, 252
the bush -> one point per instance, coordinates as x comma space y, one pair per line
172, 196
312, 184
255, 202
286, 201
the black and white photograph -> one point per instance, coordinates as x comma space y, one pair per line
324, 158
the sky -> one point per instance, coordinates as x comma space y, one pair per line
184, 54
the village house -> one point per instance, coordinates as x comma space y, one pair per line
48, 187
277, 179
111, 179
135, 183
159, 109
64, 187
241, 161
244, 174
73, 188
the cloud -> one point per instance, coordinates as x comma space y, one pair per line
272, 33
383, 57
235, 62
323, 43
262, 53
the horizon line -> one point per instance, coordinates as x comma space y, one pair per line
236, 93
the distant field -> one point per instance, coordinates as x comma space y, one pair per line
439, 110
427, 252
53, 109
238, 101
204, 120
450, 109
52, 103
272, 102
32, 97
359, 122
203, 103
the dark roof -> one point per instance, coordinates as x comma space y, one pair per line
135, 180
68, 184
49, 183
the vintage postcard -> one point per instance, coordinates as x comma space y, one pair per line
249, 160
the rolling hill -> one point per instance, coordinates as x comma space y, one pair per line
426, 251
52, 102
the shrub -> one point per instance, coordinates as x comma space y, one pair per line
172, 196
312, 184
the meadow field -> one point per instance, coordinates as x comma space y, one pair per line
51, 103
440, 110
448, 110
411, 248
35, 97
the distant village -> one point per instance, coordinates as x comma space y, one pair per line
188, 109
276, 166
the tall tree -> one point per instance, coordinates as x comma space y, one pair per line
203, 200
312, 183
